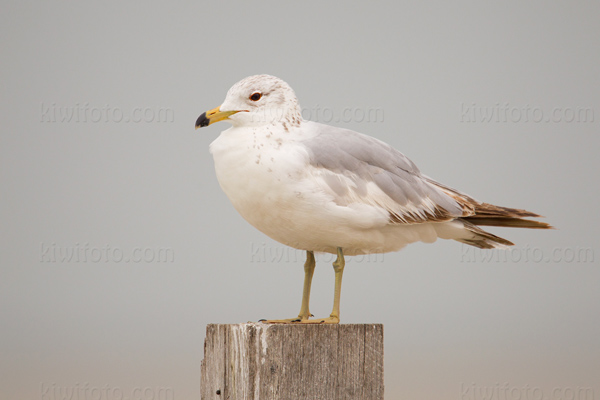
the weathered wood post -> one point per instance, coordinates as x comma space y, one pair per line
259, 361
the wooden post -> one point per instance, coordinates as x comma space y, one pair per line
259, 361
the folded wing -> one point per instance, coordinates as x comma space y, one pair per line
357, 168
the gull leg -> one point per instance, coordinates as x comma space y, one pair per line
334, 318
309, 269
338, 267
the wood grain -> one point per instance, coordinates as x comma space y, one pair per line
260, 361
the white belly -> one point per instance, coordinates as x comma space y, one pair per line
265, 179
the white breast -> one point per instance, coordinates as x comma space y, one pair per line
267, 176
256, 170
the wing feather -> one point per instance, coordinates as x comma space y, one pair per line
356, 168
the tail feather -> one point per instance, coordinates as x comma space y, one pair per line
510, 222
482, 239
491, 215
485, 214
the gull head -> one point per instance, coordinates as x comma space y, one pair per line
254, 101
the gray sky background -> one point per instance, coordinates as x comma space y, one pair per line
457, 320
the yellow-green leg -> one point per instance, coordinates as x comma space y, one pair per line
309, 269
338, 267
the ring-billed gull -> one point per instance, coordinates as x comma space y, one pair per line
321, 188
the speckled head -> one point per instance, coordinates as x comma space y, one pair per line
254, 101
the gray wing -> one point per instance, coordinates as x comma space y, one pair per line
361, 169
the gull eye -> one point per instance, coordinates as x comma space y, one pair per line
255, 96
